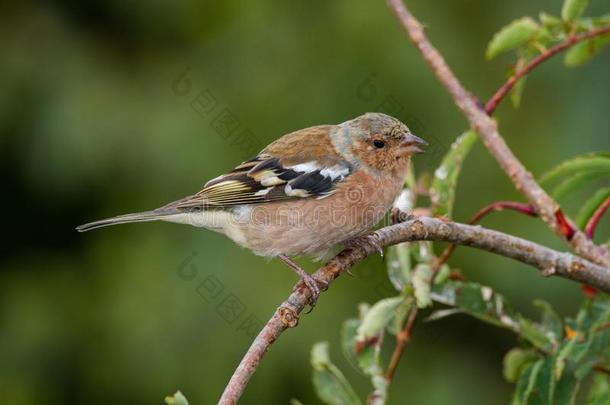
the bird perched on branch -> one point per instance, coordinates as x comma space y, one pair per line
304, 194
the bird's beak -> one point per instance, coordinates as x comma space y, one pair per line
411, 144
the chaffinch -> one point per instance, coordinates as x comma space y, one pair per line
304, 194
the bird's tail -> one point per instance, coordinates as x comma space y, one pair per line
145, 216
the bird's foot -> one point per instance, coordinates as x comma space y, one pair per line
360, 242
312, 284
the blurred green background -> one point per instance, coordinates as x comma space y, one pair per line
93, 125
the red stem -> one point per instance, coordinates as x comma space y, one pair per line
523, 208
402, 338
595, 218
491, 105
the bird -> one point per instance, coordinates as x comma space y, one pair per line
305, 194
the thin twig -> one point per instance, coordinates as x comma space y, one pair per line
602, 369
526, 209
547, 208
523, 208
602, 327
549, 261
595, 218
572, 40
402, 338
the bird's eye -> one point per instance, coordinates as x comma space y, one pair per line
378, 143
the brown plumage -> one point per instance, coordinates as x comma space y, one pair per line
305, 193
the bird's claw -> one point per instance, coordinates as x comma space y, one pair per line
313, 285
359, 241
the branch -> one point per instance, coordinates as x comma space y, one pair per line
501, 206
549, 261
595, 218
405, 335
572, 40
601, 369
545, 206
526, 209
402, 339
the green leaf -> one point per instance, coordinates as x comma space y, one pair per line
575, 181
565, 353
551, 321
363, 308
377, 318
380, 390
400, 315
550, 22
599, 393
534, 334
329, 382
485, 304
526, 382
399, 265
600, 313
591, 162
443, 274
410, 180
601, 20
517, 92
364, 355
544, 386
368, 358
590, 206
586, 346
540, 384
566, 390
443, 313
573, 9
442, 191
294, 401
177, 399
421, 283
512, 36
423, 252
544, 383
584, 51
478, 301
516, 361
349, 328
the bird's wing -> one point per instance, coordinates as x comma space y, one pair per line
298, 173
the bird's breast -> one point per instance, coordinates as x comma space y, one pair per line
312, 225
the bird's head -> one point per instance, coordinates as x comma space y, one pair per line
380, 141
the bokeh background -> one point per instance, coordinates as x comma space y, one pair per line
97, 118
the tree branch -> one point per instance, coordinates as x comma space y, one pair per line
545, 206
549, 261
572, 40
523, 208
